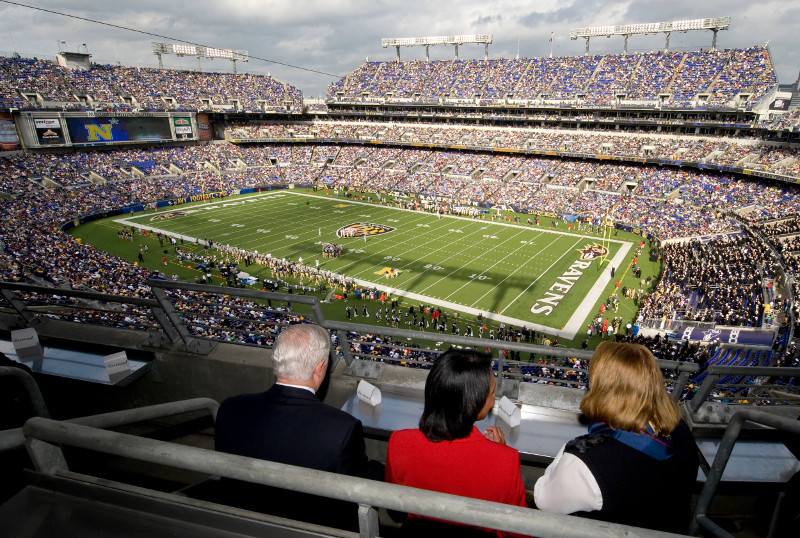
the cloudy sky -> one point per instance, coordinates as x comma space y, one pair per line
332, 37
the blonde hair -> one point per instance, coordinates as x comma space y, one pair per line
626, 390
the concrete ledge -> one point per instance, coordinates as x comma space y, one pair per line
551, 396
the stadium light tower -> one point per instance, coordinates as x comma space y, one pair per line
714, 24
456, 40
179, 49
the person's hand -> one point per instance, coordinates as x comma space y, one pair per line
493, 433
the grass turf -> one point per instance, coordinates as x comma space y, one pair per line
471, 265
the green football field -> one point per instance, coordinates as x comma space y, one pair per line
514, 273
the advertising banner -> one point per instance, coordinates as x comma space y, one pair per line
47, 123
49, 131
203, 127
186, 200
92, 131
781, 103
726, 335
183, 127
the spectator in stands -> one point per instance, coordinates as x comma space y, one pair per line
288, 424
448, 453
639, 461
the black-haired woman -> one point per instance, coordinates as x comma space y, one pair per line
448, 453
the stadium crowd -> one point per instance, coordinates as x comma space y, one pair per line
711, 78
704, 205
36, 83
743, 153
721, 281
697, 285
664, 202
726, 277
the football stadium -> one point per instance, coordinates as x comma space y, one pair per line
173, 238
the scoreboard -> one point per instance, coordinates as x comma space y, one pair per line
81, 129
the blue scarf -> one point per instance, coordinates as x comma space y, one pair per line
645, 441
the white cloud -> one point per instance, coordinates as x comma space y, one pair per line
335, 36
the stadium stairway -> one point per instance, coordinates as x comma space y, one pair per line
795, 102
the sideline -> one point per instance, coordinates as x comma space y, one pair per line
582, 311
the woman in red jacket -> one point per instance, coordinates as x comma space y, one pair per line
448, 453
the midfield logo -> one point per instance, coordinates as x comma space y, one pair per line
363, 229
170, 215
592, 252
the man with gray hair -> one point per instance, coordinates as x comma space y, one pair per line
289, 424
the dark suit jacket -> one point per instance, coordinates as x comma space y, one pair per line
290, 425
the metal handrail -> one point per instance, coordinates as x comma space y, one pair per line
14, 438
204, 346
35, 395
724, 451
774, 371
8, 291
363, 328
298, 298
715, 373
684, 369
43, 436
174, 328
82, 294
493, 344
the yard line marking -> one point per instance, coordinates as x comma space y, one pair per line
426, 246
469, 219
502, 243
541, 275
